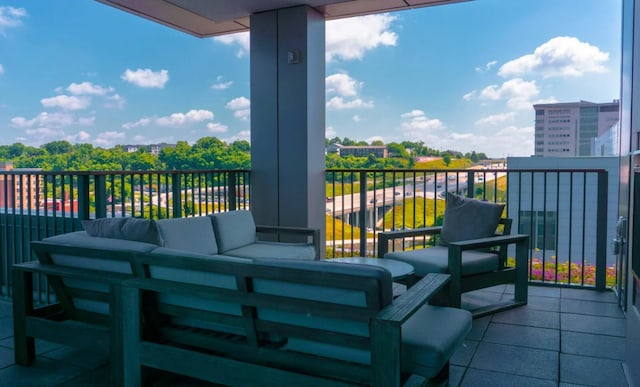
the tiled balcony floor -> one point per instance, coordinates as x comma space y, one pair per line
563, 337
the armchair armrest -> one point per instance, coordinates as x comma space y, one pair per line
386, 327
386, 236
309, 232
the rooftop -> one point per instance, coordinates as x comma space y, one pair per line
563, 336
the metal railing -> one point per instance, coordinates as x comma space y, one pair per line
35, 205
564, 212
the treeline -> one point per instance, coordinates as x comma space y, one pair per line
206, 153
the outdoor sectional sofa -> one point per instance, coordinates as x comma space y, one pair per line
180, 305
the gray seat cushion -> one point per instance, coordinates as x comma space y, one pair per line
234, 229
431, 336
436, 260
274, 250
189, 234
466, 219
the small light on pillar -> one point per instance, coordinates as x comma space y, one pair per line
293, 57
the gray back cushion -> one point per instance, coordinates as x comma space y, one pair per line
466, 218
131, 229
234, 229
189, 234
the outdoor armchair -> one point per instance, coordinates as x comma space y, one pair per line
471, 245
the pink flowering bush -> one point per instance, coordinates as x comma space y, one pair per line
565, 273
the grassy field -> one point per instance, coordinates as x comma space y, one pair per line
425, 210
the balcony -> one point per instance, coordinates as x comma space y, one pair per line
572, 331
573, 336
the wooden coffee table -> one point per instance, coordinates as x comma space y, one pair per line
399, 270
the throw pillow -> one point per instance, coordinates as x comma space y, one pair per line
467, 218
131, 229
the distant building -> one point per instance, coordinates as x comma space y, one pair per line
380, 151
154, 149
608, 143
21, 190
568, 129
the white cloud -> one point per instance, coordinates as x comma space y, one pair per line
115, 102
141, 122
338, 103
88, 88
416, 121
487, 66
180, 119
241, 108
241, 39
517, 92
342, 84
83, 136
216, 127
86, 121
146, 77
222, 85
1, 69
108, 139
239, 103
356, 118
11, 17
241, 135
44, 119
350, 38
329, 132
374, 138
562, 56
345, 39
43, 134
496, 119
66, 102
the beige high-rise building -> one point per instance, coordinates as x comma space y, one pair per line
569, 129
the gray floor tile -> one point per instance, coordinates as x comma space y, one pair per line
591, 295
594, 308
521, 361
482, 378
6, 357
475, 300
549, 304
96, 378
6, 309
544, 291
593, 324
44, 373
455, 375
462, 357
478, 328
591, 371
42, 346
523, 336
529, 317
586, 344
86, 359
6, 327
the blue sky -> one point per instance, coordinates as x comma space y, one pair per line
462, 76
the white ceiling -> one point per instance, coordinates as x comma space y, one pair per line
204, 18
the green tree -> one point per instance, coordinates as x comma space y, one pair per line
446, 158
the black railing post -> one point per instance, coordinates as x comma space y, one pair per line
362, 215
231, 199
83, 197
100, 186
176, 194
601, 231
470, 184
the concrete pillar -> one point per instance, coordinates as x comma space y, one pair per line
288, 118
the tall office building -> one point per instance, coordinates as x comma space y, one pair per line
569, 129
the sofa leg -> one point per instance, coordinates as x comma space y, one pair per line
24, 351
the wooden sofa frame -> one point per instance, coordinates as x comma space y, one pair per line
459, 284
247, 358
